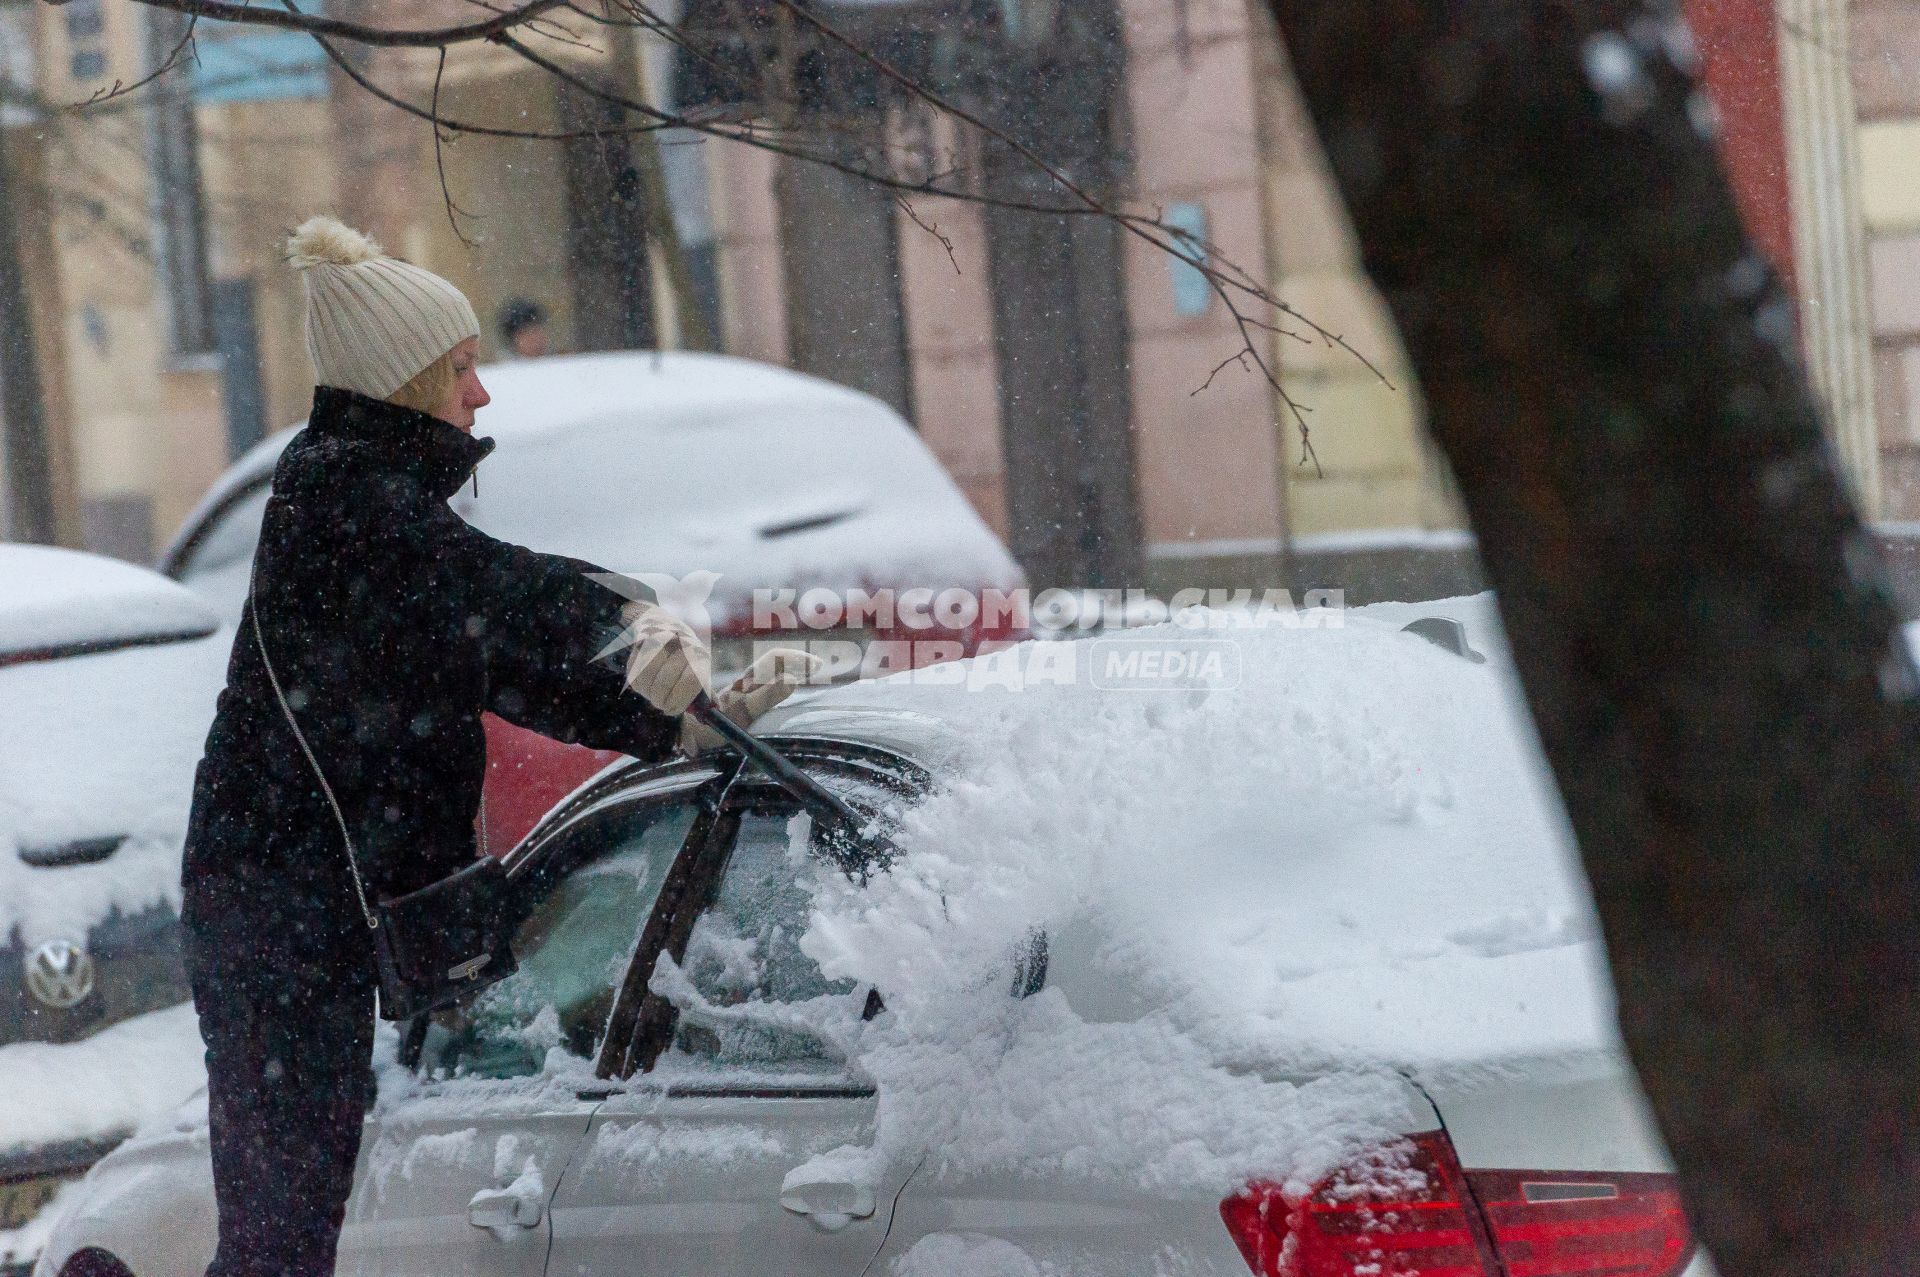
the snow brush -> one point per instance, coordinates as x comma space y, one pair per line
777, 766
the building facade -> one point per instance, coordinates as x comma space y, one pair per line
1883, 55
1082, 386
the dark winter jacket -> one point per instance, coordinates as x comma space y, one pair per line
392, 624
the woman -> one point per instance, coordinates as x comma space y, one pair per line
391, 624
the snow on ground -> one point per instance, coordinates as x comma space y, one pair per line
23, 1244
1345, 861
123, 1077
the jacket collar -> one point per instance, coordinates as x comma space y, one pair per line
439, 456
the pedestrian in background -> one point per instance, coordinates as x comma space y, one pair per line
523, 329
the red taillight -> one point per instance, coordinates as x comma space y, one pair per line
1400, 1213
1409, 1211
1551, 1224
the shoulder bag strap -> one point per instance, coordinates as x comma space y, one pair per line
353, 861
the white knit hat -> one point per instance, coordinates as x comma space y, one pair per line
373, 321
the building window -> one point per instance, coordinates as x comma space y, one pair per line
1191, 289
85, 19
238, 63
86, 57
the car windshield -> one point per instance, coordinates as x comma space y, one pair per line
229, 537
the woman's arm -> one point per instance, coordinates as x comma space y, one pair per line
541, 621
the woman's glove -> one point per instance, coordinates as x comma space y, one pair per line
767, 682
668, 664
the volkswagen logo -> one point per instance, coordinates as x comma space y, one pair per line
59, 974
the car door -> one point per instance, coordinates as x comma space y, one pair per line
694, 1164
459, 1168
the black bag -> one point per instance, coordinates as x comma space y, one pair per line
434, 946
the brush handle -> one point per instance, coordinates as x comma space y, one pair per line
775, 764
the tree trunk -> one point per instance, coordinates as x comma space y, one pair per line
840, 250
1701, 624
30, 506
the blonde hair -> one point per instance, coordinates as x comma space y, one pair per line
430, 387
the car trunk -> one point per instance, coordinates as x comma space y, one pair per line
1588, 1115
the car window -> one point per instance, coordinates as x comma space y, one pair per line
606, 874
231, 537
747, 973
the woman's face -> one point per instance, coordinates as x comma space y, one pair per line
468, 395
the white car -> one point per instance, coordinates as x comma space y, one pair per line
675, 464
108, 674
1265, 955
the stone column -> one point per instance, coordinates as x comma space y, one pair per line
1823, 169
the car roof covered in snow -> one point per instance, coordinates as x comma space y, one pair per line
922, 716
677, 463
55, 601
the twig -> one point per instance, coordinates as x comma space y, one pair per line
1237, 357
167, 64
930, 228
394, 100
454, 211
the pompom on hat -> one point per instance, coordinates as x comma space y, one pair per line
373, 321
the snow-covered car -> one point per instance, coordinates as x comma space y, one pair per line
1267, 954
711, 476
108, 673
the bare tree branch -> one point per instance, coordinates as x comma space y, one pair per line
454, 211
1152, 230
166, 64
1247, 300
358, 32
930, 228
394, 100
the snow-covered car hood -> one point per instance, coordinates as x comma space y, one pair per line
97, 747
678, 463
